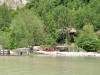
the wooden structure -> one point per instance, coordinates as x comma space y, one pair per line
61, 48
72, 34
4, 52
22, 51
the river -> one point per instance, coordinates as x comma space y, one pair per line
49, 65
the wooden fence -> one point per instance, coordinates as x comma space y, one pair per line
4, 52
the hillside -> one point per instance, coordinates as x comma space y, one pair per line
39, 22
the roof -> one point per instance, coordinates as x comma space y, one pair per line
72, 30
61, 46
23, 49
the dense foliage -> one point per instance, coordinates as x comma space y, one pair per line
27, 30
5, 17
38, 23
87, 39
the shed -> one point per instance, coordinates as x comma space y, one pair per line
61, 48
22, 51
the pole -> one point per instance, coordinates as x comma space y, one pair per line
3, 49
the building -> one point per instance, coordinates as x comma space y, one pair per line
72, 33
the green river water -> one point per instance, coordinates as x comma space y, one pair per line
49, 65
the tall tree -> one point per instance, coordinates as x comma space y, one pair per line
27, 29
5, 17
87, 39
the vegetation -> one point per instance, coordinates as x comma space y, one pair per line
87, 39
38, 23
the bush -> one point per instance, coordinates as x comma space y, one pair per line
92, 46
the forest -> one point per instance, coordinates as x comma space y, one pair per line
38, 23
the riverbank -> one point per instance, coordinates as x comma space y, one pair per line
93, 54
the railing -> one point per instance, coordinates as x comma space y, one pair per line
4, 52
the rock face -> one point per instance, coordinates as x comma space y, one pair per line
14, 3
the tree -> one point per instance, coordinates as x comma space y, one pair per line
4, 39
27, 29
58, 14
5, 17
87, 39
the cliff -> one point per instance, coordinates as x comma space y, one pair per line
14, 3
